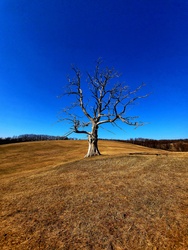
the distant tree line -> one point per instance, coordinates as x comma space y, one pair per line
30, 137
180, 145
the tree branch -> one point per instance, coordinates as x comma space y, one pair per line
109, 99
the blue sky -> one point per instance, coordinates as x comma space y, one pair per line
145, 40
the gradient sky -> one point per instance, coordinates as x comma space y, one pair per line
145, 40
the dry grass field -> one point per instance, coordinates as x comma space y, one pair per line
130, 198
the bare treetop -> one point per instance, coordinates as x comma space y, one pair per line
110, 100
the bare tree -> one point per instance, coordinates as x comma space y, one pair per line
107, 103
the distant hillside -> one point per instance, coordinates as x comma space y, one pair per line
30, 137
180, 145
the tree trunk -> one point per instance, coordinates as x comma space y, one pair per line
93, 142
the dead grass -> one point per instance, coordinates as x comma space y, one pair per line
52, 198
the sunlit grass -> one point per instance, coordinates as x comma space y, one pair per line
52, 198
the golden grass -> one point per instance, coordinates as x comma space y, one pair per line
130, 198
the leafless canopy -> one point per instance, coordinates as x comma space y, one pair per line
107, 103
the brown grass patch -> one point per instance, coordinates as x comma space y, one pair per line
53, 199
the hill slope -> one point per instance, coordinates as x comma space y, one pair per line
51, 198
36, 155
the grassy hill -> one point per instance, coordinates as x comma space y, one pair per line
131, 197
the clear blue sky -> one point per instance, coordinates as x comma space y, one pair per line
145, 40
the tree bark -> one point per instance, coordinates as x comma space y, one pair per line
93, 142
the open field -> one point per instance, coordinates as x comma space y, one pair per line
131, 197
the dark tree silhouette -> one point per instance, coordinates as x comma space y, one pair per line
107, 103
